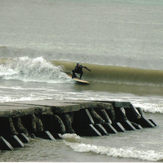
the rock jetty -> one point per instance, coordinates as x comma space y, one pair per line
49, 119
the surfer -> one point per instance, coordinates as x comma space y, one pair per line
79, 70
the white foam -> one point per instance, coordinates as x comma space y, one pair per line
14, 99
151, 108
71, 137
152, 104
32, 69
23, 88
148, 155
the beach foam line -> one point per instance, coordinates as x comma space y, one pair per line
148, 155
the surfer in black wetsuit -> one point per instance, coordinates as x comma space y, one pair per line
78, 70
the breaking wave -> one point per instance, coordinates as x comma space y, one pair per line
41, 70
32, 69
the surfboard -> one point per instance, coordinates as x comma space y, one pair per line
77, 80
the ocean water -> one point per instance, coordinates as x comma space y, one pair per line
120, 41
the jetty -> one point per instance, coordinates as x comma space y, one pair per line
50, 119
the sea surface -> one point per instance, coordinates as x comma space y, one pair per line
121, 41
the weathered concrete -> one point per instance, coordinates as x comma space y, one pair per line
49, 119
44, 106
4, 144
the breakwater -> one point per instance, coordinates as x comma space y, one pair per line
49, 119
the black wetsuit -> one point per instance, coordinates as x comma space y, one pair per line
78, 70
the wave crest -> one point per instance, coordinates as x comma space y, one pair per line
32, 69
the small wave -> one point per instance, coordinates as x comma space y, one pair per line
148, 155
32, 69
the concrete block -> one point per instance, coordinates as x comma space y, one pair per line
145, 123
127, 125
45, 135
109, 128
90, 130
153, 122
14, 141
4, 144
101, 129
118, 126
23, 138
137, 126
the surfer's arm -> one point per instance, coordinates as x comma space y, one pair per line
86, 68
